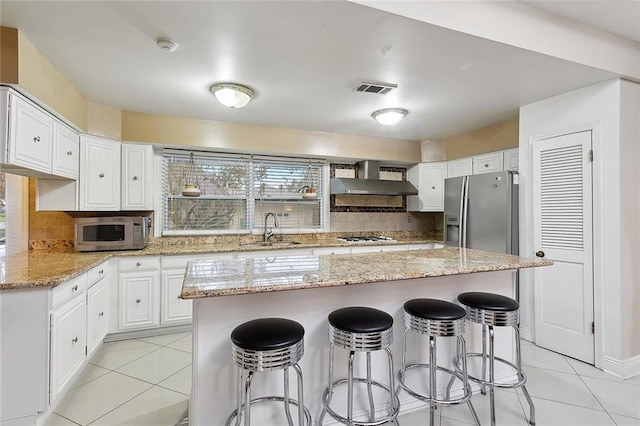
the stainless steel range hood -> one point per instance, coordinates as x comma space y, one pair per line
368, 182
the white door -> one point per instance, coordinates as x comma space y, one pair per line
563, 233
174, 309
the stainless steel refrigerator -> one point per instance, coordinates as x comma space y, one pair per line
481, 212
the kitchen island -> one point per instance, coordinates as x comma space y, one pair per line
306, 289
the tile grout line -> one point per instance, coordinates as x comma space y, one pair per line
115, 408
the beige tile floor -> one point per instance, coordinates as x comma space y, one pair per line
146, 382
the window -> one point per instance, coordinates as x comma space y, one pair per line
238, 191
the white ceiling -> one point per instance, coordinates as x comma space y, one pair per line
302, 58
621, 17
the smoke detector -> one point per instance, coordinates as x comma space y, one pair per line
166, 44
377, 88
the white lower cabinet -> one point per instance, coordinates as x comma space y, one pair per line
97, 315
175, 310
68, 340
139, 300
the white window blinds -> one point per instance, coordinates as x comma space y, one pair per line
238, 191
292, 190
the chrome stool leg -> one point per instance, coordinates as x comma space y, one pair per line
360, 329
436, 318
489, 311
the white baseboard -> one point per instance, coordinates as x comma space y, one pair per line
114, 337
626, 368
526, 333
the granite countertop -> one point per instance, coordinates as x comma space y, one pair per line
212, 278
49, 268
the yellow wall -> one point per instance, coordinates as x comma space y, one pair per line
141, 127
487, 139
42, 80
8, 55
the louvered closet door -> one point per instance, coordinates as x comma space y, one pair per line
563, 233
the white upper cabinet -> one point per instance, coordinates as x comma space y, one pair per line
460, 167
137, 170
27, 136
99, 174
511, 159
429, 179
33, 142
487, 163
66, 151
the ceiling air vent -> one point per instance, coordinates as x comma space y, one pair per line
378, 88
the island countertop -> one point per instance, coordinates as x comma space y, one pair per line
212, 278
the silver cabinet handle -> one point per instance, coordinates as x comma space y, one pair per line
74, 340
101, 314
74, 288
101, 271
69, 153
138, 300
135, 178
486, 164
36, 139
138, 264
101, 175
179, 298
433, 187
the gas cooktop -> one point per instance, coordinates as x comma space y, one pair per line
366, 239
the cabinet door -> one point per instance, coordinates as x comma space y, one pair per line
99, 174
511, 159
139, 300
68, 342
430, 183
174, 309
487, 163
66, 151
31, 144
137, 188
97, 319
461, 167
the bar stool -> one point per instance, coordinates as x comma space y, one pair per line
360, 329
493, 310
263, 345
436, 318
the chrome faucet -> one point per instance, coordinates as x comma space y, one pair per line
269, 233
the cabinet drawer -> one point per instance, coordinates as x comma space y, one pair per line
69, 289
97, 273
488, 163
174, 262
139, 263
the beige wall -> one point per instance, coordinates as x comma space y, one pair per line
42, 80
268, 140
8, 55
487, 139
104, 121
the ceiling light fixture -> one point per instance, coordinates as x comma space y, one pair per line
389, 116
231, 94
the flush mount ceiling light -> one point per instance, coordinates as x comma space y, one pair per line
231, 94
389, 116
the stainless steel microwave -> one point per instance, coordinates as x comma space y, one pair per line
111, 233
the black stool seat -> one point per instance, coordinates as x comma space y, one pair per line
267, 334
488, 301
434, 309
359, 319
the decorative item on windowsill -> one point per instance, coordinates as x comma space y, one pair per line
308, 193
191, 187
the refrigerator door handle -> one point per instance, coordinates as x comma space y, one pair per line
464, 205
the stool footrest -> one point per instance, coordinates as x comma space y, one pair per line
456, 374
294, 402
390, 417
522, 378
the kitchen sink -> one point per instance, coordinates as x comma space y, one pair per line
271, 244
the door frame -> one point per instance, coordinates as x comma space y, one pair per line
598, 216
